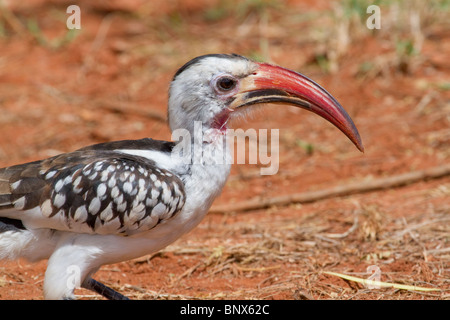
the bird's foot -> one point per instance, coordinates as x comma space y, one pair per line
103, 290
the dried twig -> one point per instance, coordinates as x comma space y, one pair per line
346, 233
380, 284
12, 20
89, 60
338, 191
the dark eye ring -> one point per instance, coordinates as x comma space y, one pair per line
226, 83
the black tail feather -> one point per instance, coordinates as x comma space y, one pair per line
7, 224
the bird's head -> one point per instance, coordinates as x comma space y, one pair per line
213, 88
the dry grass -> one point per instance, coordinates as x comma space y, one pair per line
289, 257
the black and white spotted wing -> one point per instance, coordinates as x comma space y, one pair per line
91, 191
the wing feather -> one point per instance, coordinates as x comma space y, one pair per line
91, 191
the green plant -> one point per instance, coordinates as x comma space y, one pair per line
307, 146
36, 32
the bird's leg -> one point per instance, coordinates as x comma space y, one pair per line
103, 290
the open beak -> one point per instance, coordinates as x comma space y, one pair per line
274, 84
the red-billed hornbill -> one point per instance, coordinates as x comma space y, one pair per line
120, 200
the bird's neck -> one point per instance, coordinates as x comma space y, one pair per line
206, 166
202, 144
207, 153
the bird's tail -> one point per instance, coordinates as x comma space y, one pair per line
10, 229
12, 239
18, 242
7, 224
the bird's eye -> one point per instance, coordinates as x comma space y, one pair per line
226, 83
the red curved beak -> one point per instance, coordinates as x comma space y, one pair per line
274, 84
